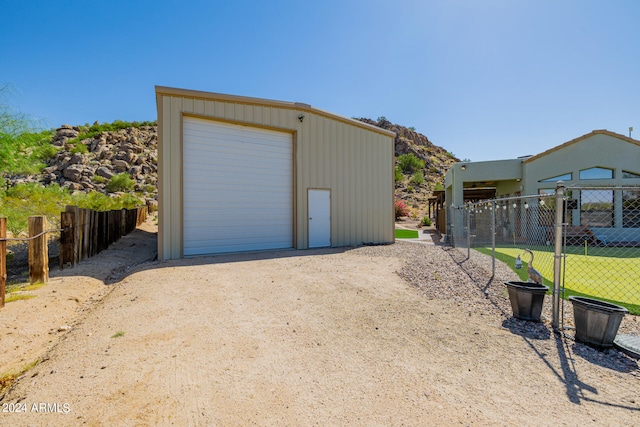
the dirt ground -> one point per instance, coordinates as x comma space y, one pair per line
291, 338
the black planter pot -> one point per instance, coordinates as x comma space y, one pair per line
526, 299
596, 321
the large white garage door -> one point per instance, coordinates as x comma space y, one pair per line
237, 188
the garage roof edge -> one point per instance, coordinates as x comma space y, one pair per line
163, 90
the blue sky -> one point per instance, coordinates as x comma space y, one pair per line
485, 79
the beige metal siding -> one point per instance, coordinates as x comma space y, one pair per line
353, 160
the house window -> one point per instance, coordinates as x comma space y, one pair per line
565, 177
631, 209
596, 173
631, 175
596, 208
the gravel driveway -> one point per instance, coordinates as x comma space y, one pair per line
405, 334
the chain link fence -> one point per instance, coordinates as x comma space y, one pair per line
598, 252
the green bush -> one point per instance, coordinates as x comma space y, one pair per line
20, 202
23, 146
426, 221
409, 163
120, 182
397, 173
417, 178
149, 188
25, 152
101, 202
96, 129
79, 148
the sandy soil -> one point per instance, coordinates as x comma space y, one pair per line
316, 337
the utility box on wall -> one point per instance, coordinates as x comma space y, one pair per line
235, 174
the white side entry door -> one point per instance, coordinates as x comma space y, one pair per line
319, 208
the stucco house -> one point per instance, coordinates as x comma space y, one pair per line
598, 159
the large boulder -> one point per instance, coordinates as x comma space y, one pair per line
104, 172
73, 172
121, 165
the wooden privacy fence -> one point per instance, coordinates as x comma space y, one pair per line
83, 233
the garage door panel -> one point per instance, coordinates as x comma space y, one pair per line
228, 234
237, 188
231, 244
262, 140
238, 163
229, 218
238, 149
237, 172
235, 191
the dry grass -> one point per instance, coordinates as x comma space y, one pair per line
7, 379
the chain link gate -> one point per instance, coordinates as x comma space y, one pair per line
584, 241
601, 245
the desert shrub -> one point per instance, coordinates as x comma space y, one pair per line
397, 173
129, 201
21, 201
101, 202
79, 148
409, 163
23, 146
148, 188
417, 178
96, 129
426, 221
400, 208
120, 182
26, 152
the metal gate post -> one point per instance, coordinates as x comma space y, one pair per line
557, 257
493, 238
468, 210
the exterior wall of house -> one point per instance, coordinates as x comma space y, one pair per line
600, 149
353, 160
502, 174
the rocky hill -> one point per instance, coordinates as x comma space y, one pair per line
437, 161
89, 163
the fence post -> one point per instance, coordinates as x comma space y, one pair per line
557, 257
38, 250
86, 233
468, 230
3, 259
76, 231
67, 243
493, 238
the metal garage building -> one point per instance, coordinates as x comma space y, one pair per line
243, 174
